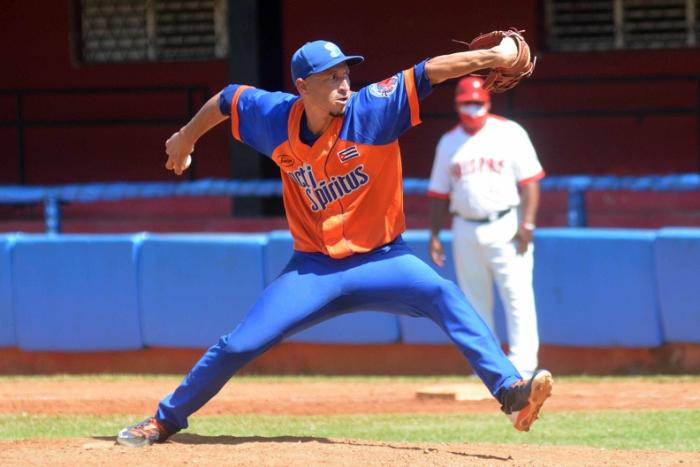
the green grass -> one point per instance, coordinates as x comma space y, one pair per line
677, 430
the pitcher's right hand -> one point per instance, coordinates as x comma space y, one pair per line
179, 149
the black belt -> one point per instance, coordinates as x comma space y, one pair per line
490, 218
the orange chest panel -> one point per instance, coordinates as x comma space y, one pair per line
341, 197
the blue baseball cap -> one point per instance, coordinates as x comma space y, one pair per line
317, 56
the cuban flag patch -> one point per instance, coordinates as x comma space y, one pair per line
348, 153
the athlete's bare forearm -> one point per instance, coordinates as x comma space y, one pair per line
438, 212
444, 67
181, 143
204, 120
530, 201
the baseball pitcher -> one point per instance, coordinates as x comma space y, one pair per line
340, 165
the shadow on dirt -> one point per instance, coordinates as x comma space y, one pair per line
194, 439
191, 438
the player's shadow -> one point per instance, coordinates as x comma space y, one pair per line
191, 438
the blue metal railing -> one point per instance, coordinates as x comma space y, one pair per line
52, 196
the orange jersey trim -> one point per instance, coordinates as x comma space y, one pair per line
410, 82
534, 178
234, 112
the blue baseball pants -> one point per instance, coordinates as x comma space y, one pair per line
314, 287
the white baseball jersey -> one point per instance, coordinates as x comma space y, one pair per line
480, 173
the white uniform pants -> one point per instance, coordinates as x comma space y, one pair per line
484, 253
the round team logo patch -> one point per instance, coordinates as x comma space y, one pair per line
384, 88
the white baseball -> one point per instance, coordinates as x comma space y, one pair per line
188, 161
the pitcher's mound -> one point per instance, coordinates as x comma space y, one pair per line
455, 392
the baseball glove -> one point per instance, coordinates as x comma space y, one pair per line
502, 79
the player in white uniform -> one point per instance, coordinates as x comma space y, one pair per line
487, 173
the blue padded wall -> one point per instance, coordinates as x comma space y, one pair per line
596, 287
415, 330
7, 320
75, 292
278, 252
677, 253
422, 330
362, 327
196, 288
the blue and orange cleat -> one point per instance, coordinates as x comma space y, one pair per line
522, 401
143, 434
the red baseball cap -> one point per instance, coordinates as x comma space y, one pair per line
471, 89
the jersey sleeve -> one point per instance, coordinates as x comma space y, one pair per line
422, 81
382, 111
440, 184
526, 165
258, 117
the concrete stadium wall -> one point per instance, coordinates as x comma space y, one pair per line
85, 293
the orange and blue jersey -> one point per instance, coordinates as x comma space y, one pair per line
342, 192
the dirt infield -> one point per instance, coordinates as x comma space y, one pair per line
320, 397
303, 452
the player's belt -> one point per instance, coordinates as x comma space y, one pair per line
490, 218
